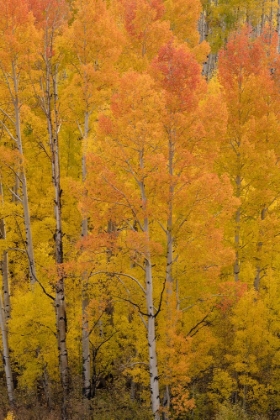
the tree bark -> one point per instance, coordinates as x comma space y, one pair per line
5, 270
6, 288
6, 355
5, 315
22, 175
202, 26
153, 368
169, 258
51, 112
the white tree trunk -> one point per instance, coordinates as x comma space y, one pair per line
5, 265
169, 260
6, 288
153, 368
6, 355
51, 112
25, 202
5, 314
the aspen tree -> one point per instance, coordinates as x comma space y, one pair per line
18, 44
252, 141
138, 105
168, 65
178, 74
129, 182
51, 15
92, 44
146, 31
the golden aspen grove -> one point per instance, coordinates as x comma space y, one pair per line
140, 209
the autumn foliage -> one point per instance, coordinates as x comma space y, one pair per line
139, 209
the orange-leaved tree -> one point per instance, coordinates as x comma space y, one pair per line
189, 206
121, 181
148, 175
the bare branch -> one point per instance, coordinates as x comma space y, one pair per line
160, 300
17, 196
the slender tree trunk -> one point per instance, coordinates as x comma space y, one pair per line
51, 111
6, 288
5, 266
153, 368
202, 26
13, 86
203, 32
5, 315
25, 203
169, 260
210, 65
47, 388
262, 23
15, 190
6, 355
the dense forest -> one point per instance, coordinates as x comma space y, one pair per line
140, 209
